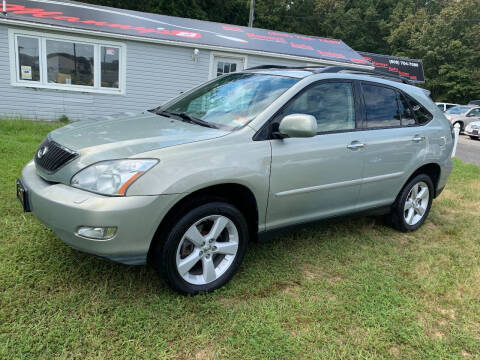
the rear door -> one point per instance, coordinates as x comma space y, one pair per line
394, 144
316, 177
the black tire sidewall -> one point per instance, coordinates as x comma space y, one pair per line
460, 124
400, 203
166, 259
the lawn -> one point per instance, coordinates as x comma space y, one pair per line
346, 288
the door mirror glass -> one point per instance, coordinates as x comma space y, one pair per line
298, 125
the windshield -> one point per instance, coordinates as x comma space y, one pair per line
458, 110
232, 100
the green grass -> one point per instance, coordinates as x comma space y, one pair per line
349, 288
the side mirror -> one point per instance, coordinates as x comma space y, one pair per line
298, 125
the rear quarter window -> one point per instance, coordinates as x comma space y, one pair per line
422, 115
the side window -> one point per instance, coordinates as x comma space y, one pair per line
475, 112
406, 113
422, 115
332, 104
381, 106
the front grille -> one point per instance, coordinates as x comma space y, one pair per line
51, 156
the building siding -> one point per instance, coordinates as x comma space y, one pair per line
155, 73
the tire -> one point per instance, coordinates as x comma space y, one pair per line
194, 244
399, 217
461, 126
474, 137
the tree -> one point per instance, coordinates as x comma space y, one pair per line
448, 43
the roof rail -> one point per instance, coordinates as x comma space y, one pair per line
376, 73
335, 69
259, 67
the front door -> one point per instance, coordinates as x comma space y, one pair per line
312, 178
471, 116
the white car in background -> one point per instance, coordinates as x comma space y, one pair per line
463, 115
473, 130
445, 106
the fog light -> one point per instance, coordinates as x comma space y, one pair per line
98, 233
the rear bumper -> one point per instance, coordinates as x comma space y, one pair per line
445, 171
64, 209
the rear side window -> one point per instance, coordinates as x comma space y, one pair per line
381, 106
422, 115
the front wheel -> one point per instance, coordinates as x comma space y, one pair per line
204, 249
413, 204
460, 125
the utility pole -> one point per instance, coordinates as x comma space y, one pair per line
252, 13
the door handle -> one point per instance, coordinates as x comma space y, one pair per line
418, 138
355, 145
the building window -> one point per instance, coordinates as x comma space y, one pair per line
66, 63
110, 57
224, 63
28, 50
224, 67
70, 63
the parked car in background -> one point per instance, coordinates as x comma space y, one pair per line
188, 184
474, 102
473, 130
463, 115
445, 106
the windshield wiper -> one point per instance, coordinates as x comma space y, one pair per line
187, 118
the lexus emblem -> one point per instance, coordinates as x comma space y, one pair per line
42, 151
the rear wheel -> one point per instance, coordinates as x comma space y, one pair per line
474, 137
204, 248
413, 204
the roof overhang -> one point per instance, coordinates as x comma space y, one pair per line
108, 22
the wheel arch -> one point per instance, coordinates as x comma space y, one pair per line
236, 194
461, 122
433, 170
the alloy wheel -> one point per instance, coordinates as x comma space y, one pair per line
416, 203
207, 249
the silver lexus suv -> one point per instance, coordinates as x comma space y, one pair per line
185, 186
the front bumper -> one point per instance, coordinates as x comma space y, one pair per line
472, 132
64, 209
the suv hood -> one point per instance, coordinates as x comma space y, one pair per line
454, 116
131, 134
123, 136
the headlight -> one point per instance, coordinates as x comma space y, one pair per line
112, 177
